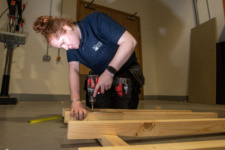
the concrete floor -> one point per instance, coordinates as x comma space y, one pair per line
17, 134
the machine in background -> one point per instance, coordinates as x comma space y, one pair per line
11, 38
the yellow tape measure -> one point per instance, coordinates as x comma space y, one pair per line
44, 119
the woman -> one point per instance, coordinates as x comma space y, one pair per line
104, 46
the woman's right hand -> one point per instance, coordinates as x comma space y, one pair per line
78, 110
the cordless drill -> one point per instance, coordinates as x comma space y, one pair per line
91, 84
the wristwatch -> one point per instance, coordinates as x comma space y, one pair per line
111, 69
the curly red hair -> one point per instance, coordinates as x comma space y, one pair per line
51, 27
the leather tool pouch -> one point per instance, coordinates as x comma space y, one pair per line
137, 74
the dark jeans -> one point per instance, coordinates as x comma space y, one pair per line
110, 99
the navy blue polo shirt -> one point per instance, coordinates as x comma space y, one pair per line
99, 37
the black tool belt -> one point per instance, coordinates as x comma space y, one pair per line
137, 74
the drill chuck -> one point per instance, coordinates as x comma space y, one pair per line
92, 100
91, 84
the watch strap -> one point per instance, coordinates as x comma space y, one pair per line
111, 70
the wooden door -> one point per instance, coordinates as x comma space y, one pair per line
224, 7
130, 22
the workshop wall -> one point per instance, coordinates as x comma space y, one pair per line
165, 37
171, 31
29, 74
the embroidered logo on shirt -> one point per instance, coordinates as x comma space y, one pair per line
97, 46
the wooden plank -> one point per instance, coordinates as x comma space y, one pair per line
156, 115
130, 110
202, 83
95, 116
199, 145
64, 110
67, 117
112, 140
144, 128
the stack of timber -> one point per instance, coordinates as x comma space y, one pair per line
107, 125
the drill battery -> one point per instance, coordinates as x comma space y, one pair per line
91, 84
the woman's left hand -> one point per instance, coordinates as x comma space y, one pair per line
104, 82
